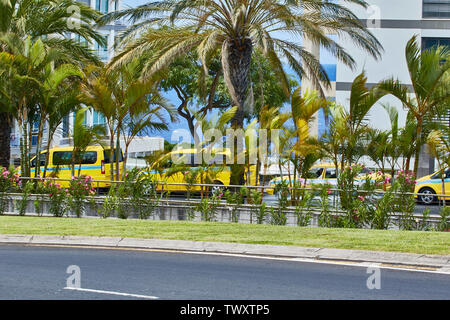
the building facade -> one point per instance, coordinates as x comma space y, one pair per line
62, 136
394, 23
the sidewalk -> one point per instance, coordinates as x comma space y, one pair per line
383, 259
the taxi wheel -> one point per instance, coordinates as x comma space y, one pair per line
428, 196
218, 187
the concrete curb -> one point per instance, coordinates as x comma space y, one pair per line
434, 262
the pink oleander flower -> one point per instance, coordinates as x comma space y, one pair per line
361, 198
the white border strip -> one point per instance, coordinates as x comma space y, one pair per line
112, 292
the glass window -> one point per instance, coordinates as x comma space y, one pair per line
61, 158
34, 140
107, 158
436, 8
98, 118
428, 43
315, 173
102, 51
65, 126
42, 160
330, 173
102, 6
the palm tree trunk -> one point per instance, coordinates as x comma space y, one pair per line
236, 59
118, 156
111, 156
47, 155
5, 139
418, 146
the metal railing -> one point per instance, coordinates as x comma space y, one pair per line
96, 184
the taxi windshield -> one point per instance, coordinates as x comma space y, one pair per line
315, 173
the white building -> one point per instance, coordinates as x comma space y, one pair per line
394, 23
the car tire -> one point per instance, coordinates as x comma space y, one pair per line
217, 187
428, 197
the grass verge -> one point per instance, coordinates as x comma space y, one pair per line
360, 239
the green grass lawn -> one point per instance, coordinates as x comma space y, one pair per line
379, 240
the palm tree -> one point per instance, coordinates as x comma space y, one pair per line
67, 102
83, 137
116, 94
270, 118
23, 67
144, 120
49, 20
430, 88
355, 122
236, 28
50, 95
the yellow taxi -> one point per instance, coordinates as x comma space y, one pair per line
429, 186
190, 160
324, 173
95, 162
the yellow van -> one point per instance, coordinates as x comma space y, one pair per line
176, 180
324, 173
429, 186
95, 162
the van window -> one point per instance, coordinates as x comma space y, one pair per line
315, 173
330, 173
64, 158
438, 174
42, 160
107, 158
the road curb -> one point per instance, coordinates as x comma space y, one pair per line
434, 262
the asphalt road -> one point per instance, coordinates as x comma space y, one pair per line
31, 272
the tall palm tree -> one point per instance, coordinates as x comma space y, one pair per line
236, 28
49, 20
429, 72
50, 83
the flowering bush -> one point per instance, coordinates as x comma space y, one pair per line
58, 198
404, 202
79, 189
8, 181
